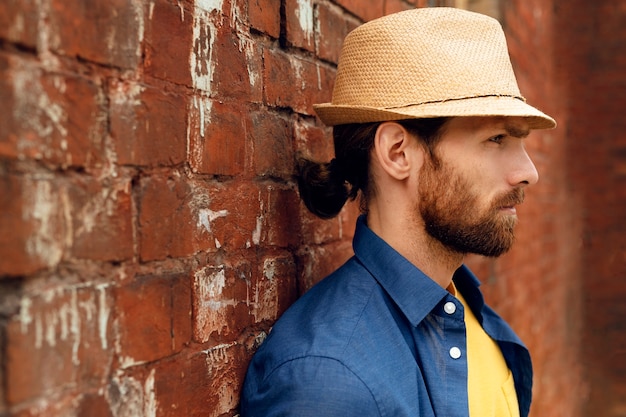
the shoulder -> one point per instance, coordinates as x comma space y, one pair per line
306, 360
322, 322
308, 386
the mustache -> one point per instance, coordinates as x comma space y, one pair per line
510, 199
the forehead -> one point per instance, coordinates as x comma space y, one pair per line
464, 126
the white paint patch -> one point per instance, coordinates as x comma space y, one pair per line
204, 106
46, 37
256, 233
207, 216
55, 322
150, 404
319, 77
126, 94
134, 399
209, 284
182, 11
41, 206
210, 5
202, 67
265, 304
304, 13
218, 353
25, 316
103, 316
34, 109
138, 10
269, 269
298, 69
212, 310
199, 204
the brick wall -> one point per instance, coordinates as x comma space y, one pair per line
592, 68
151, 233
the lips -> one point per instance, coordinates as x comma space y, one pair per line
510, 200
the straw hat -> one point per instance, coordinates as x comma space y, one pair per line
428, 62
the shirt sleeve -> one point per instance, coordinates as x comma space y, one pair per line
307, 387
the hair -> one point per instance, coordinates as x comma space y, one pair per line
326, 187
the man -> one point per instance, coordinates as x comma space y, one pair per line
429, 129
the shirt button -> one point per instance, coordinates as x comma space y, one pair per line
449, 307
455, 353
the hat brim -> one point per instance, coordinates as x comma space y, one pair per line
333, 114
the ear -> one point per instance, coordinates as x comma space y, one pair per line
397, 152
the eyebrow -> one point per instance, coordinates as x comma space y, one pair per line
516, 132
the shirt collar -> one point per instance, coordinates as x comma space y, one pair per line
414, 292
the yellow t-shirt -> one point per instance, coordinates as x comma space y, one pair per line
490, 386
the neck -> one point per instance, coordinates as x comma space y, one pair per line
409, 238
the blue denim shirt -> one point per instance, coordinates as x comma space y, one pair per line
373, 339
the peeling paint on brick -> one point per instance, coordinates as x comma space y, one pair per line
210, 5
209, 285
41, 205
202, 66
304, 12
103, 316
131, 398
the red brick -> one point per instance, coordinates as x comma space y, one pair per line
332, 28
182, 386
165, 221
153, 314
97, 340
317, 262
264, 15
276, 287
62, 406
168, 41
236, 220
131, 391
101, 219
278, 222
217, 140
54, 118
395, 6
148, 126
293, 82
103, 31
19, 20
222, 296
365, 11
94, 405
313, 141
273, 146
299, 25
33, 224
316, 231
237, 293
50, 337
237, 67
205, 383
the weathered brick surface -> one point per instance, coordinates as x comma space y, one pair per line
112, 37
19, 21
150, 227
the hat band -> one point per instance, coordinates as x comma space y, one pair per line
402, 106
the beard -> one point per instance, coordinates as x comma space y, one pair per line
452, 214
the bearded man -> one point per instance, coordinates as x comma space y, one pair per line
429, 130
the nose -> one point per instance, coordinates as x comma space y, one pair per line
524, 171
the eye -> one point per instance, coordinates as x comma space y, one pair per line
497, 139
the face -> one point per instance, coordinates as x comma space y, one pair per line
469, 189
